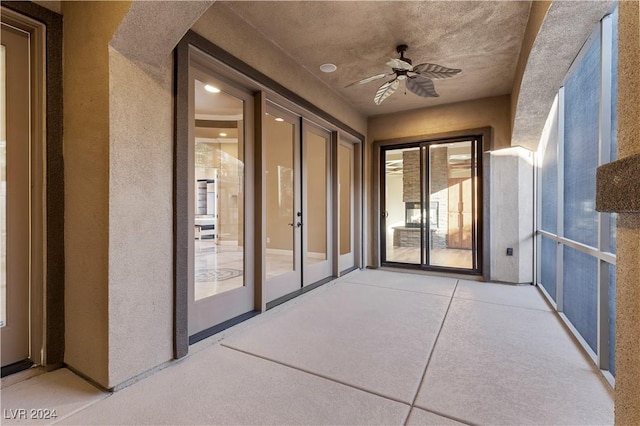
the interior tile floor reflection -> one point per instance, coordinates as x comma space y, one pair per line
373, 347
219, 267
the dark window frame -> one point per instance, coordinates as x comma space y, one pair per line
484, 137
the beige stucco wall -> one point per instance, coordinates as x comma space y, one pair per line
627, 394
140, 217
119, 183
493, 112
87, 30
536, 17
512, 230
227, 30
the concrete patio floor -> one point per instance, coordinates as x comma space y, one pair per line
374, 347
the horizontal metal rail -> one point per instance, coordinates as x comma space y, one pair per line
592, 251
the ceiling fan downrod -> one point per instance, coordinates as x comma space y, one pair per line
401, 49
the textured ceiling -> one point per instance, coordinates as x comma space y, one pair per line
482, 38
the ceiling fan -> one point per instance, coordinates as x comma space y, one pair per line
419, 78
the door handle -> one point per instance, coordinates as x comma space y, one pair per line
297, 225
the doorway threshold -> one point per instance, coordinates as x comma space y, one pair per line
201, 335
16, 367
466, 277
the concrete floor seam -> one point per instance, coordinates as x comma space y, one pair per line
501, 304
446, 416
74, 412
302, 370
398, 289
433, 348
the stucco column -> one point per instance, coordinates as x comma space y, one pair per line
627, 395
118, 168
88, 27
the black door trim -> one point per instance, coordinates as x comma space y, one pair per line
484, 136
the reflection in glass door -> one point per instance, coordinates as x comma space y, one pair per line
316, 180
430, 205
283, 263
298, 215
346, 200
402, 219
219, 289
451, 205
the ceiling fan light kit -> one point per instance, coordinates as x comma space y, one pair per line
418, 79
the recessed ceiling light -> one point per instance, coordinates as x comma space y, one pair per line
223, 134
212, 89
328, 67
279, 119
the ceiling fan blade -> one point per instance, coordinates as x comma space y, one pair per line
368, 79
385, 91
399, 64
422, 86
436, 72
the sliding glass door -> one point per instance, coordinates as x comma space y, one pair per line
430, 205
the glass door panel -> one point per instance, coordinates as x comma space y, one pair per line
402, 217
451, 201
283, 205
15, 194
346, 200
316, 144
218, 287
219, 183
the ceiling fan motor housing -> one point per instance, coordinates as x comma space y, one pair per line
401, 49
